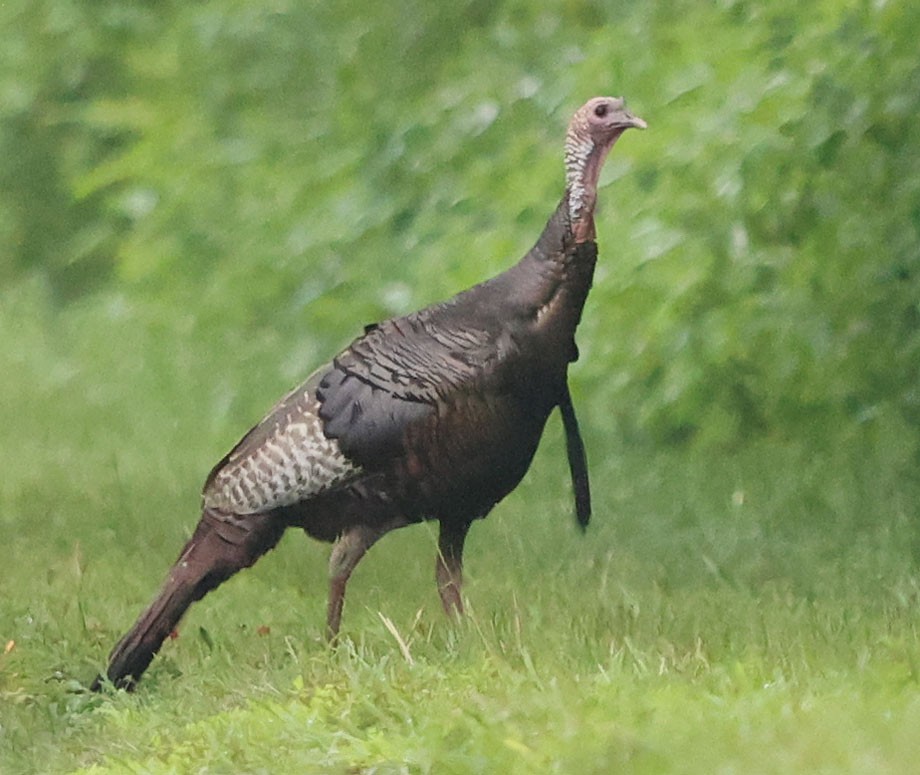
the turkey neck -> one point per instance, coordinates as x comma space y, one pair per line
562, 262
583, 161
566, 253
548, 288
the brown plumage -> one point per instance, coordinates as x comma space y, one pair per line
435, 415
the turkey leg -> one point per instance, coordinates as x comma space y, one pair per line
449, 566
347, 552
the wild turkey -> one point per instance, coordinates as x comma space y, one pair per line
435, 415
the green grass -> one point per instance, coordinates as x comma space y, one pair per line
743, 610
218, 196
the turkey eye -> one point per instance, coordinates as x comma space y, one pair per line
601, 110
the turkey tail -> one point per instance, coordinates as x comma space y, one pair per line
578, 460
220, 547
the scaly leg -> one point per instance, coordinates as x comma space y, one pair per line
347, 552
449, 567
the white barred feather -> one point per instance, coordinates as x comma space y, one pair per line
295, 462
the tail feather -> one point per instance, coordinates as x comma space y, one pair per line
134, 652
219, 548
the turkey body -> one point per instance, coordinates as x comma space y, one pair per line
433, 415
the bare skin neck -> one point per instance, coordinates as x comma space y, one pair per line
583, 162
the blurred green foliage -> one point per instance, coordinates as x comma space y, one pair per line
308, 167
200, 202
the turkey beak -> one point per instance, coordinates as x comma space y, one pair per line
638, 123
629, 120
